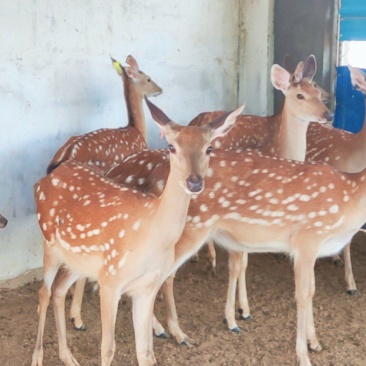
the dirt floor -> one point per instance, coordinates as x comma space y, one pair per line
268, 339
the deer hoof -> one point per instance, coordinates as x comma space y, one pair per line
236, 330
163, 335
185, 343
352, 292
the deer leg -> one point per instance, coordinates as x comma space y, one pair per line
304, 262
63, 281
143, 306
77, 300
49, 273
244, 309
109, 299
348, 273
167, 290
337, 260
235, 263
159, 330
312, 339
195, 257
211, 256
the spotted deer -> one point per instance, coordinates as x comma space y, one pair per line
256, 203
284, 133
3, 221
116, 235
104, 147
285, 137
302, 105
301, 95
345, 151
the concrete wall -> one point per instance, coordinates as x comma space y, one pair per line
57, 81
256, 56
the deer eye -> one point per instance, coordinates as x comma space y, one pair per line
209, 150
148, 80
300, 96
172, 149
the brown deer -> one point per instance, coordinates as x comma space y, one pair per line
3, 221
302, 105
284, 133
257, 203
285, 137
345, 151
104, 147
283, 129
121, 237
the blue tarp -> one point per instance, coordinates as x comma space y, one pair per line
350, 103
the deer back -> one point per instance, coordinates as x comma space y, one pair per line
257, 198
104, 147
273, 134
83, 213
344, 150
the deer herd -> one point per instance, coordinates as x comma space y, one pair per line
113, 211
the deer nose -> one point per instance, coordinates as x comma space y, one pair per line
3, 222
194, 183
328, 115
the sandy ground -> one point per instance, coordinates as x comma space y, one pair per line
268, 339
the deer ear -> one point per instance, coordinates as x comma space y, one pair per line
157, 114
280, 78
309, 69
357, 79
221, 125
298, 73
132, 69
288, 63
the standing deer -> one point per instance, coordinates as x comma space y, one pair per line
258, 204
3, 221
282, 135
121, 237
286, 137
345, 151
104, 147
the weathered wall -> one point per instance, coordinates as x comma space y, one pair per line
57, 80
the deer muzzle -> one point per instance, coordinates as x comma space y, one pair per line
194, 183
3, 221
328, 115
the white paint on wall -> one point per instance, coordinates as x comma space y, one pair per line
57, 81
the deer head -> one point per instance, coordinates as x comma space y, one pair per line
143, 83
195, 164
303, 99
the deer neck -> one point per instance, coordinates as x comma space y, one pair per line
136, 117
171, 213
292, 136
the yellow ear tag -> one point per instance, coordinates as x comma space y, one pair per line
117, 66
